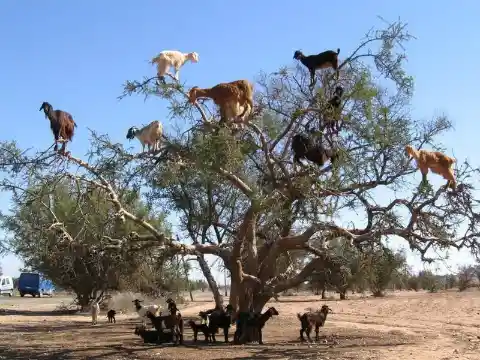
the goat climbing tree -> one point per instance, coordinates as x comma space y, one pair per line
240, 199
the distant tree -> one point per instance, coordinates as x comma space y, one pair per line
76, 255
450, 281
383, 265
465, 275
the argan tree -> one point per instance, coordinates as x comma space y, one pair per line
239, 198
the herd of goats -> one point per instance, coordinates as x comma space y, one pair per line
235, 102
248, 324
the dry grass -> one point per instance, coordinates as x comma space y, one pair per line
405, 325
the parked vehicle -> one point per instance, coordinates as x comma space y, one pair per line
6, 285
35, 285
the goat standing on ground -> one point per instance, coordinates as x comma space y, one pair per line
95, 310
436, 161
143, 309
173, 321
196, 328
303, 148
219, 319
61, 123
257, 322
111, 316
168, 58
323, 60
309, 320
230, 97
149, 135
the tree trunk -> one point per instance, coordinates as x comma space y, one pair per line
323, 294
342, 295
217, 296
185, 269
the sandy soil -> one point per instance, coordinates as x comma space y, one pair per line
404, 325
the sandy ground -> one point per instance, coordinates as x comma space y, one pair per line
404, 325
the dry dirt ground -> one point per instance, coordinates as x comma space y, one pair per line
404, 325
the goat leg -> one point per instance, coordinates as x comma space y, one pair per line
317, 330
225, 333
260, 339
308, 334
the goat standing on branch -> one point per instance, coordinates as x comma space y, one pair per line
334, 109
231, 98
174, 58
323, 60
436, 161
61, 123
304, 148
149, 135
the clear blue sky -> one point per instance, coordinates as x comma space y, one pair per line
76, 55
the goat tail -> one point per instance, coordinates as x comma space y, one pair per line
338, 51
299, 316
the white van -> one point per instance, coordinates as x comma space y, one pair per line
6, 285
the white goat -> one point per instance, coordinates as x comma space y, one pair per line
95, 310
149, 135
143, 309
174, 58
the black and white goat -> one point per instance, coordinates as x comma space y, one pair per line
304, 148
333, 109
149, 135
323, 60
142, 310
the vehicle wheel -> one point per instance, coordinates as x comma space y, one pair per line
39, 294
10, 294
22, 294
33, 295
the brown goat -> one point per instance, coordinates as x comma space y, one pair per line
61, 123
230, 97
309, 320
436, 161
173, 321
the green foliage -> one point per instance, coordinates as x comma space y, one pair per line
77, 256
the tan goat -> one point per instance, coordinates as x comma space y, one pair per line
436, 161
169, 58
149, 135
235, 99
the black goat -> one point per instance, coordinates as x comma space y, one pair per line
148, 336
111, 315
254, 322
196, 328
61, 124
219, 318
153, 336
323, 60
303, 148
336, 99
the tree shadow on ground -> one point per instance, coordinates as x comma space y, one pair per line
39, 312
